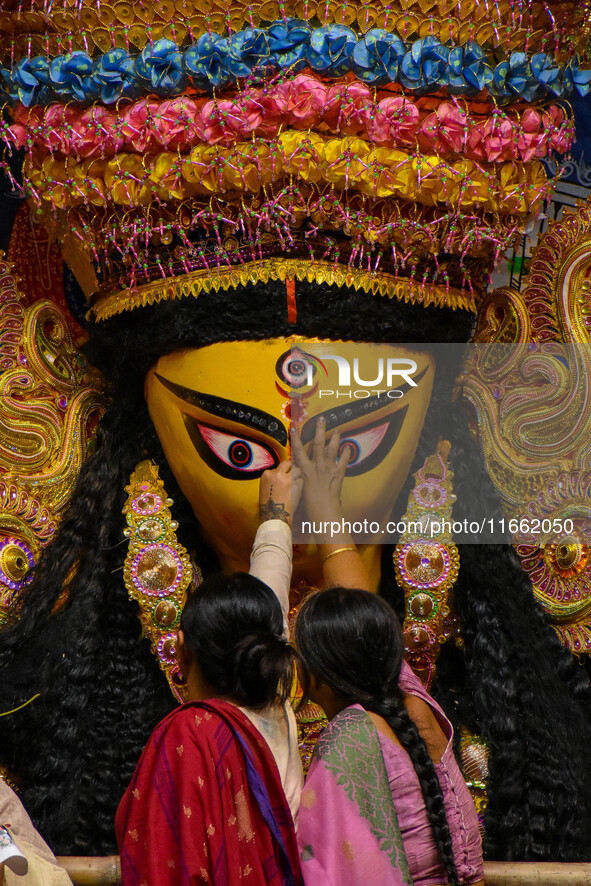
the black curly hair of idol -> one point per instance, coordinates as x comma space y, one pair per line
101, 690
352, 641
233, 626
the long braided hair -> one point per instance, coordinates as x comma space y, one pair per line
352, 641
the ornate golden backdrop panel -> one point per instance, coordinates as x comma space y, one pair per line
51, 402
535, 437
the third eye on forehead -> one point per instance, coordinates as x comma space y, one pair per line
295, 368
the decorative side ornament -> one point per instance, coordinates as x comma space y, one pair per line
555, 304
427, 564
158, 572
50, 405
534, 423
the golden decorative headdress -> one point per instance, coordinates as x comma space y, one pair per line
397, 146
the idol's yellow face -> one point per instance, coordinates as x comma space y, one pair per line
223, 414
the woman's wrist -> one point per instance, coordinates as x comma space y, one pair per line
336, 551
274, 510
342, 544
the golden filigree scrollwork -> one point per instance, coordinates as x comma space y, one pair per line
555, 303
533, 409
50, 403
525, 397
503, 317
534, 415
558, 291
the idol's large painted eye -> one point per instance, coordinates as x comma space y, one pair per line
370, 445
362, 445
237, 458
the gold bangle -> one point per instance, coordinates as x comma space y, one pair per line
351, 548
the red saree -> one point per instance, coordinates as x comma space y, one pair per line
206, 805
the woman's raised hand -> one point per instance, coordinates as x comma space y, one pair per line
323, 476
322, 473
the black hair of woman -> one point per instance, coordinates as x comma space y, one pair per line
351, 641
233, 626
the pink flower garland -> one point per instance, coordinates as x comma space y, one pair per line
304, 103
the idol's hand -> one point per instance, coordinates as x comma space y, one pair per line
280, 492
323, 473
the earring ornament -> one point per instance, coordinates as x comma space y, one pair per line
426, 562
157, 571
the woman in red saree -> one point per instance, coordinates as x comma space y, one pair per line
206, 804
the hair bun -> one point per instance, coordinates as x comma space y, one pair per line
263, 662
233, 625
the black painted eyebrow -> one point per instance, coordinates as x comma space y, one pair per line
230, 410
339, 415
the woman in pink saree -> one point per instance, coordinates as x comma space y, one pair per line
384, 801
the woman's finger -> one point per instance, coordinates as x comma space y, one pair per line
332, 450
343, 464
298, 452
319, 442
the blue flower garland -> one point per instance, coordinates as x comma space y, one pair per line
377, 58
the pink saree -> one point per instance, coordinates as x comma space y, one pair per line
348, 829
